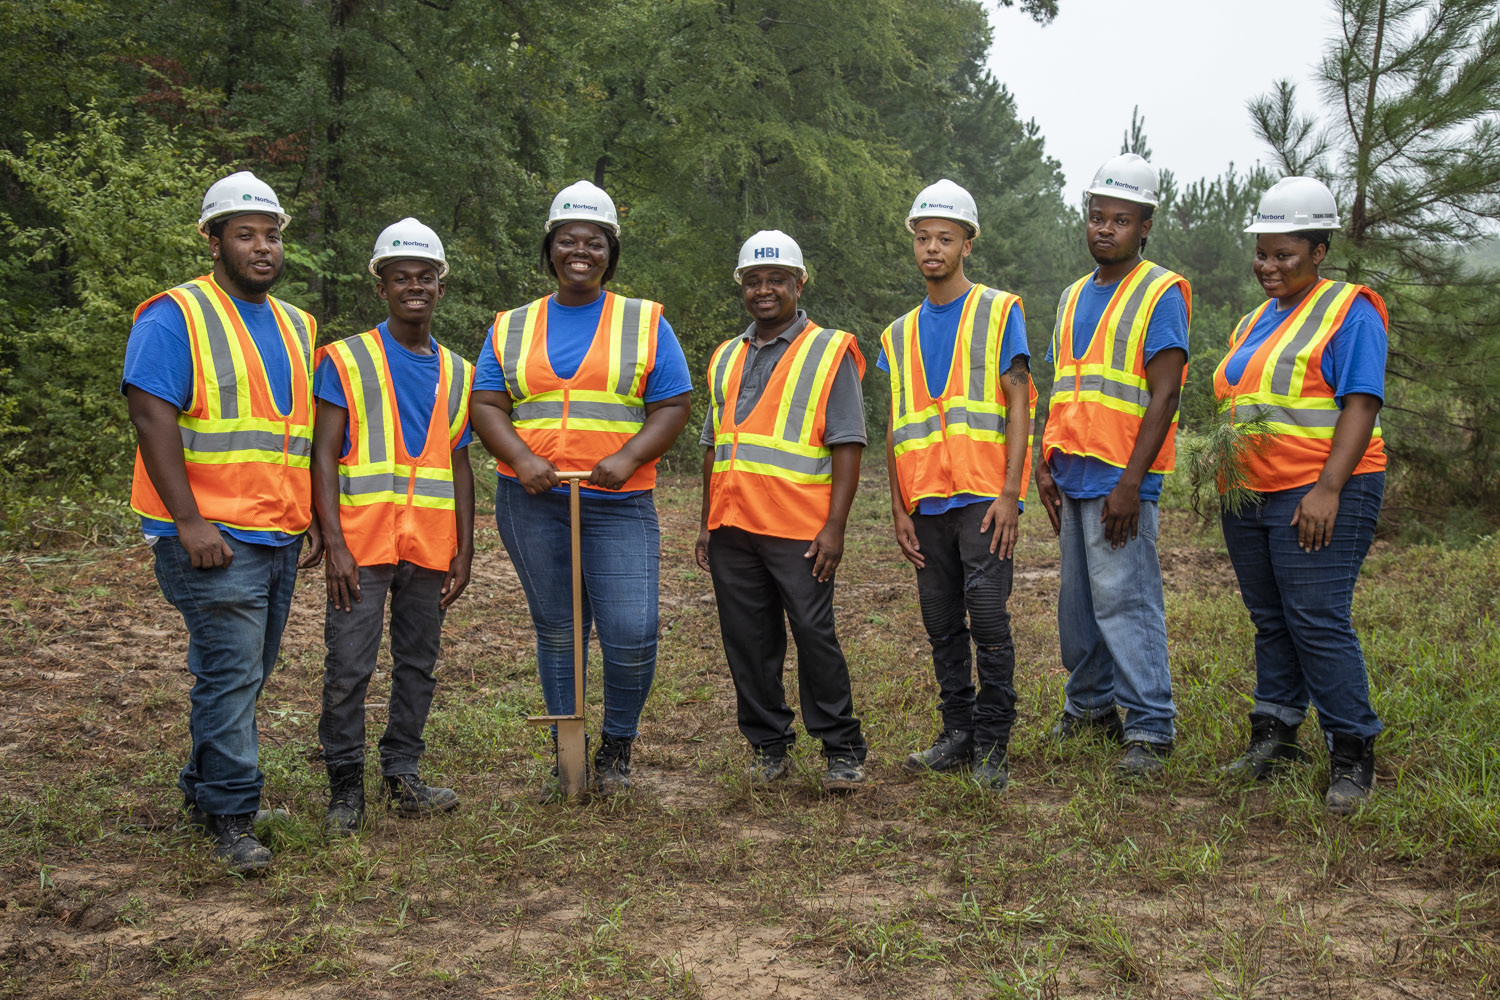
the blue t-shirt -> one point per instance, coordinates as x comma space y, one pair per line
1354, 360
937, 339
159, 360
1083, 477
570, 334
415, 380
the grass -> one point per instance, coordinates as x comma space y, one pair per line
1074, 883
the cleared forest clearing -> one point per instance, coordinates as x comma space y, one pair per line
1074, 883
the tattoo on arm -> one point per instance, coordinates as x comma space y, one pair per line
1019, 371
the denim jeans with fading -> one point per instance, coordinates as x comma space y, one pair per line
620, 543
1300, 603
234, 615
1112, 623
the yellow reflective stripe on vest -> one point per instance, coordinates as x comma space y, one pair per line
221, 382
1113, 382
630, 330
431, 487
517, 341
720, 366
460, 382
224, 442
599, 411
377, 433
770, 456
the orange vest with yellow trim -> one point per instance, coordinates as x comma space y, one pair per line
1098, 401
575, 423
247, 463
1283, 386
772, 474
393, 506
954, 443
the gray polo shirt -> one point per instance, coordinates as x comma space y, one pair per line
844, 421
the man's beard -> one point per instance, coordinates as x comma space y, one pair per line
248, 281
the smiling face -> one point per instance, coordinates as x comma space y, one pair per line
940, 246
1286, 264
411, 288
1115, 229
771, 294
249, 254
579, 255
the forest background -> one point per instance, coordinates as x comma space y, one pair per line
706, 120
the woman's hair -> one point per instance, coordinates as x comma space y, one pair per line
609, 238
1312, 237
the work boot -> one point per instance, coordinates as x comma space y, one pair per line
951, 751
768, 765
235, 845
346, 799
1351, 772
409, 797
845, 773
1107, 727
1273, 745
1143, 759
991, 768
198, 819
612, 765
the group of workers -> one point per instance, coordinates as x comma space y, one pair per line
259, 455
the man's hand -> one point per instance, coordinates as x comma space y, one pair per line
457, 578
342, 574
204, 544
1122, 513
906, 537
1051, 496
312, 546
536, 474
1003, 517
700, 550
613, 471
1314, 518
826, 552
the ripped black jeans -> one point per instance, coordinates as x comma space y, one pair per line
963, 589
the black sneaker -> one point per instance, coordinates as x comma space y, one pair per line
768, 766
1273, 745
1107, 727
235, 845
1143, 759
951, 751
1351, 773
991, 769
845, 773
408, 796
612, 765
346, 800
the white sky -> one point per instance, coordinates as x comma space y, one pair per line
1191, 65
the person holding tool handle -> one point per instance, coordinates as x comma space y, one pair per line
584, 379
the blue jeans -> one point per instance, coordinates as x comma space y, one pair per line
1112, 622
234, 616
1299, 602
620, 545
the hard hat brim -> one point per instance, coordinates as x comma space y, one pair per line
739, 272
282, 219
972, 227
376, 262
1111, 192
612, 227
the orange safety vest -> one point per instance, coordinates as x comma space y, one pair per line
955, 443
574, 423
1283, 384
772, 474
394, 507
1098, 400
247, 463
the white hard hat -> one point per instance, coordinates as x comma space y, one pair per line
237, 194
408, 240
770, 248
1127, 177
583, 202
944, 200
1293, 204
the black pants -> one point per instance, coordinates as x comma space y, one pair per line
353, 637
963, 590
758, 580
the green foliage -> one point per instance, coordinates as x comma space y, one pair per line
1216, 462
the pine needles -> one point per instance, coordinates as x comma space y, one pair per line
1218, 463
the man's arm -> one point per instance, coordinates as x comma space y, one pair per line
160, 440
827, 549
1122, 508
700, 549
463, 509
906, 532
341, 572
1005, 512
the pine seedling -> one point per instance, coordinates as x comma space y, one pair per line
1218, 463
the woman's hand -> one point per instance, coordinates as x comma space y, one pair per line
1314, 518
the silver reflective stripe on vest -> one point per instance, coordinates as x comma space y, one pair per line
374, 431
1108, 387
455, 387
1128, 314
223, 358
726, 358
390, 482
801, 402
915, 431
224, 441
630, 344
1286, 362
538, 409
761, 454
554, 409
898, 361
979, 343
979, 420
510, 364
1250, 412
298, 327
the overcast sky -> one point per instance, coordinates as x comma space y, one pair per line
1190, 64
